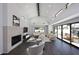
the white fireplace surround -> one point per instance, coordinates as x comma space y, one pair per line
8, 33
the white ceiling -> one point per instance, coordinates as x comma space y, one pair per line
50, 9
39, 21
29, 10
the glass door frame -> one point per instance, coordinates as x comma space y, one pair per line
70, 24
61, 31
56, 27
69, 33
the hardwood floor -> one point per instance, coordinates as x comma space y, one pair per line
56, 47
59, 47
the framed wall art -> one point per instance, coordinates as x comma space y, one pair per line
16, 21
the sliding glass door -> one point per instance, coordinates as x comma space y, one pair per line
69, 33
59, 32
75, 34
66, 33
56, 31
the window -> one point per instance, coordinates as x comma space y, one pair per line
56, 31
69, 33
75, 34
59, 32
66, 33
39, 29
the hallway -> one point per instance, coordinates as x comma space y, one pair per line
56, 47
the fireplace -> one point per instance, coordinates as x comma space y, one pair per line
15, 39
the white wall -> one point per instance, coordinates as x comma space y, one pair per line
39, 20
24, 12
4, 18
1, 30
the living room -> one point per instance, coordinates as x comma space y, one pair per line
30, 26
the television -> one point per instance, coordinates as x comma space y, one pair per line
25, 29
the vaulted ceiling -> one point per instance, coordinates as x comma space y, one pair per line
31, 10
50, 9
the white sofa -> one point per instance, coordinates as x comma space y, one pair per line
36, 49
44, 38
51, 36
